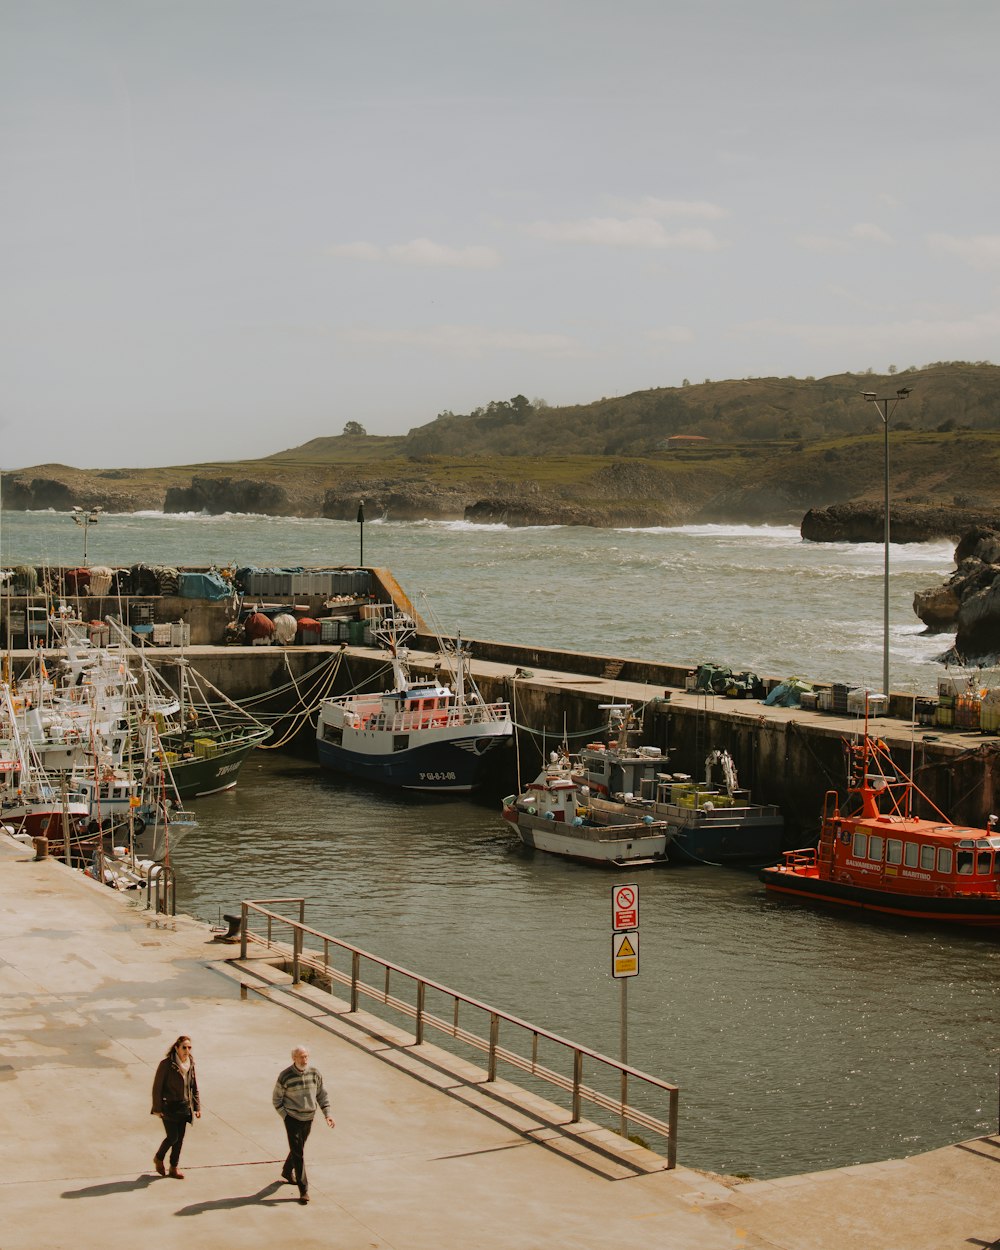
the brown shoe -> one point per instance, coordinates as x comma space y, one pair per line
158, 1164
176, 1174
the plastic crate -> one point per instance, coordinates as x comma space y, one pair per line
968, 711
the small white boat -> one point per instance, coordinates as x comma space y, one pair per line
559, 815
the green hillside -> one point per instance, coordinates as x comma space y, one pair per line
769, 449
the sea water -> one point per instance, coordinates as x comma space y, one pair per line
800, 1039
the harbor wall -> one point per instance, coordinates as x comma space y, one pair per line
784, 756
787, 756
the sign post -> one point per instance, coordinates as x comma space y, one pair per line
624, 964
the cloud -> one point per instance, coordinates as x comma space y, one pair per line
643, 232
469, 341
977, 249
933, 335
863, 232
869, 233
671, 334
422, 252
651, 206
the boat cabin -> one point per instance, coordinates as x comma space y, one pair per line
922, 856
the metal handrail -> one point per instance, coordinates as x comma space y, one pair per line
489, 1045
161, 890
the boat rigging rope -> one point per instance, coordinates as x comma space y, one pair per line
299, 718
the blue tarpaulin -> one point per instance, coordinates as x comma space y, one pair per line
787, 694
203, 586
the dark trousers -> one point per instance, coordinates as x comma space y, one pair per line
295, 1164
174, 1127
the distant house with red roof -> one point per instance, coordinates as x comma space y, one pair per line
685, 440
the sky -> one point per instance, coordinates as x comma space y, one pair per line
231, 226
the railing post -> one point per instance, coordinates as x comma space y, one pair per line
421, 989
577, 1082
355, 974
491, 1071
244, 921
672, 1124
296, 953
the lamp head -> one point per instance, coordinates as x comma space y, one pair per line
903, 392
869, 395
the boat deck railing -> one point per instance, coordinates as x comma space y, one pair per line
453, 718
804, 858
325, 958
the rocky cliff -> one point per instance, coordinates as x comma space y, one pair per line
864, 522
969, 602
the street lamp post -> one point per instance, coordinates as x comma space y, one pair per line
885, 413
86, 517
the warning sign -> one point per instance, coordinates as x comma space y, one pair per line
625, 954
624, 907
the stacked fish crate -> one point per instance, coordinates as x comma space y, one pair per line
990, 711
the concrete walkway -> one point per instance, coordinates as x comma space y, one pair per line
424, 1157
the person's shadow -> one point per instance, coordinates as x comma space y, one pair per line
263, 1197
110, 1187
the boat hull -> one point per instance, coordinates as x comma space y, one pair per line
607, 845
739, 843
197, 776
443, 766
982, 912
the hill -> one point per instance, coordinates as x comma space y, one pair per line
771, 449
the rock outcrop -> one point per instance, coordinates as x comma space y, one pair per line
217, 495
969, 602
397, 502
908, 523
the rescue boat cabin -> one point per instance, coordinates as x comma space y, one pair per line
914, 855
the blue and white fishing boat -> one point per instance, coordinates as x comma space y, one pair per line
420, 735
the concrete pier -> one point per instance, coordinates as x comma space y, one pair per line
424, 1156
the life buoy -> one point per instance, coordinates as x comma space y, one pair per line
138, 825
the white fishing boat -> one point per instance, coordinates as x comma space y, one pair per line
560, 815
423, 734
86, 706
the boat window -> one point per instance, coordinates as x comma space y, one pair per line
910, 854
944, 860
927, 858
963, 863
400, 742
860, 846
875, 846
984, 863
894, 851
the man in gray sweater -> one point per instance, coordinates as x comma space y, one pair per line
298, 1094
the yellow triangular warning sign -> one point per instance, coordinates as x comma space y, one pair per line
625, 948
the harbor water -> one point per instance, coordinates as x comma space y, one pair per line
801, 1039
